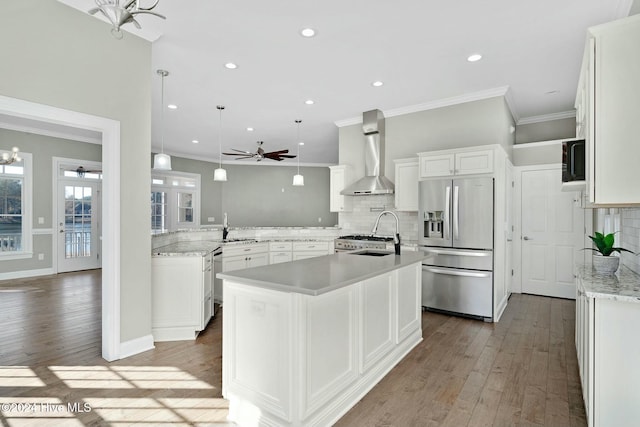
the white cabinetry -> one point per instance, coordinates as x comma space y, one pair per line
608, 359
406, 191
244, 256
340, 178
302, 360
608, 110
302, 250
280, 252
182, 297
464, 161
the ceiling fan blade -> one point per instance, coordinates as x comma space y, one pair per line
287, 156
237, 154
241, 151
277, 152
243, 157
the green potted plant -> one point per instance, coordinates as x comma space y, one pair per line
603, 262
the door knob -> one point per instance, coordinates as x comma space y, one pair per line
527, 238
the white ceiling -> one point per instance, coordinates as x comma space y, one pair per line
418, 48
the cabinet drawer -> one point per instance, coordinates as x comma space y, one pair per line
307, 254
244, 249
280, 246
311, 246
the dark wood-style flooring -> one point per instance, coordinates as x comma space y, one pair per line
521, 371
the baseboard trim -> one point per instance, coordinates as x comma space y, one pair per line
26, 273
136, 346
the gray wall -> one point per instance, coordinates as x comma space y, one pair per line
463, 125
253, 194
55, 55
538, 132
43, 149
546, 131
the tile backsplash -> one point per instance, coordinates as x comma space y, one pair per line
631, 237
365, 211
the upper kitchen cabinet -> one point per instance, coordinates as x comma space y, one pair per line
406, 191
608, 110
462, 161
340, 177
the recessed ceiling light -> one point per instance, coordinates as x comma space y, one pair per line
231, 65
172, 106
309, 102
475, 57
300, 143
195, 141
308, 32
377, 83
249, 129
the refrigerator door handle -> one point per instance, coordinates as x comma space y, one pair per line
455, 272
447, 213
456, 253
455, 212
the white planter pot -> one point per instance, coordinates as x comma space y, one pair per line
606, 264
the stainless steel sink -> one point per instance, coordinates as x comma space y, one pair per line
371, 252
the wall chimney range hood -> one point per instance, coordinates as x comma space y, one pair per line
374, 181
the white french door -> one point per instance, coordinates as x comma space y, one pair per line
78, 225
552, 234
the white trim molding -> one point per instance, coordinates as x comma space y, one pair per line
432, 105
547, 117
26, 273
110, 130
539, 143
136, 345
38, 231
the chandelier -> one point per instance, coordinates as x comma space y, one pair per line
120, 14
10, 157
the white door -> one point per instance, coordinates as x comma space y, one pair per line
78, 224
552, 234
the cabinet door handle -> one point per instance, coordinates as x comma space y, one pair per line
527, 238
247, 250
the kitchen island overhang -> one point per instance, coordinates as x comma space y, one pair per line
304, 341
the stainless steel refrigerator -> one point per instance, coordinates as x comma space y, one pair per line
456, 228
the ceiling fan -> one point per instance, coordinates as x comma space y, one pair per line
81, 171
260, 154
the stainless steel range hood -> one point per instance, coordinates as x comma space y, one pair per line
374, 181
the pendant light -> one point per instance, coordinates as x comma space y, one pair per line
220, 174
162, 161
298, 180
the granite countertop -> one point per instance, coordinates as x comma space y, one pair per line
203, 247
319, 275
622, 286
194, 248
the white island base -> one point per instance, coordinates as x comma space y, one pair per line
294, 359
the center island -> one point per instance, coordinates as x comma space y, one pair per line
304, 341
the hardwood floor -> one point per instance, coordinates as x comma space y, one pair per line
521, 371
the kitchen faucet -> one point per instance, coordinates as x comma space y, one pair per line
396, 238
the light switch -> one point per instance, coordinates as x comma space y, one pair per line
40, 220
40, 257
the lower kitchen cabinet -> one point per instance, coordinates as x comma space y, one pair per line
608, 353
182, 296
303, 250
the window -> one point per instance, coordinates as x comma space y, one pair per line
175, 201
15, 209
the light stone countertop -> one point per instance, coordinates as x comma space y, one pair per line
622, 286
203, 247
319, 275
192, 248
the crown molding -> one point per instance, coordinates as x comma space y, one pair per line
432, 105
547, 117
511, 104
42, 130
623, 8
